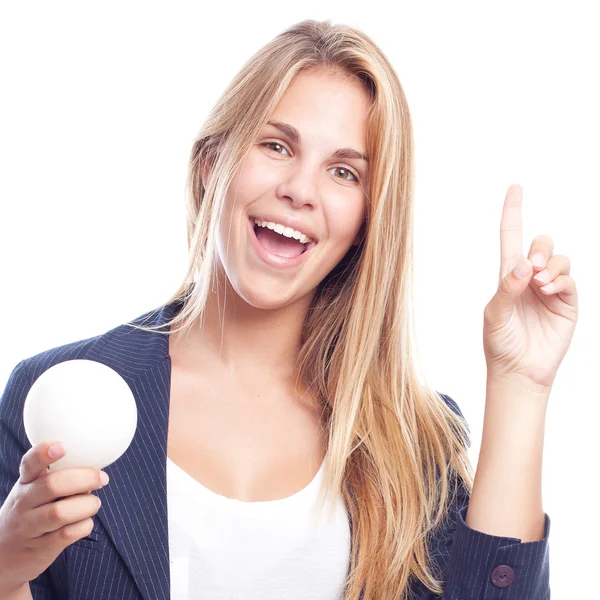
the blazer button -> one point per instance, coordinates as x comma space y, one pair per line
503, 576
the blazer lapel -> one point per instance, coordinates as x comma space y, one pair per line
134, 503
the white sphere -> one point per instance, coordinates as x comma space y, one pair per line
85, 405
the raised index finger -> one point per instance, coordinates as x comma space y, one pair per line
511, 229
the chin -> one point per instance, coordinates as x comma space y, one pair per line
269, 297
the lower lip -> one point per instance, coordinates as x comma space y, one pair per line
274, 260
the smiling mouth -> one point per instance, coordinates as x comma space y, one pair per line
256, 227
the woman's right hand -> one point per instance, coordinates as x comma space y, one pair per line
43, 514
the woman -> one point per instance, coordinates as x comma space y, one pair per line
286, 360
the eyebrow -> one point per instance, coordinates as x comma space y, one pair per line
294, 135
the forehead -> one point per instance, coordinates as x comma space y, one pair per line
323, 89
326, 108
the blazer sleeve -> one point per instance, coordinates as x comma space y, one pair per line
476, 565
13, 445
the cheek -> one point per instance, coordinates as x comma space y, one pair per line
344, 222
250, 181
258, 173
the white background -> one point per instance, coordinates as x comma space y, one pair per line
99, 107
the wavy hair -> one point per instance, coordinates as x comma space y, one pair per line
397, 452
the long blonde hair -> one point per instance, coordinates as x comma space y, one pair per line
396, 451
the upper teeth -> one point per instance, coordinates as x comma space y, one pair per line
283, 230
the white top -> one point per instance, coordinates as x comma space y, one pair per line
227, 549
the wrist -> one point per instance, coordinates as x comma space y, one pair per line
516, 385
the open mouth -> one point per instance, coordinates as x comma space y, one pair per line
277, 250
256, 229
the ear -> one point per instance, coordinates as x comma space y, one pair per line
205, 169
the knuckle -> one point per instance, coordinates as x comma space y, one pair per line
91, 502
89, 526
57, 512
543, 240
94, 478
68, 533
23, 464
559, 262
51, 485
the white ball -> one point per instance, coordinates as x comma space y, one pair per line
85, 405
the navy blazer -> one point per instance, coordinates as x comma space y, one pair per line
126, 556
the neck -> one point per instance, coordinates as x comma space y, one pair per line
240, 341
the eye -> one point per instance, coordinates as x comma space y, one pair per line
274, 144
346, 169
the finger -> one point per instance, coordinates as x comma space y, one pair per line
564, 287
36, 460
511, 228
64, 536
54, 515
542, 245
557, 265
62, 484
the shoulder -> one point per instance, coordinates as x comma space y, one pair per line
124, 348
452, 404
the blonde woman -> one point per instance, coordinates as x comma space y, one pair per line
287, 447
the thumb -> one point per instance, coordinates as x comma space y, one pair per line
512, 286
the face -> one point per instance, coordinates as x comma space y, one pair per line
299, 180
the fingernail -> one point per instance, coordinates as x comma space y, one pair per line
56, 450
521, 270
543, 276
103, 478
538, 260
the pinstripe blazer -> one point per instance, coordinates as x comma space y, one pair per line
126, 556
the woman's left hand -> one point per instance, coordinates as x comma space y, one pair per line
528, 324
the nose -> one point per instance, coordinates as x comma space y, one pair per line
300, 184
